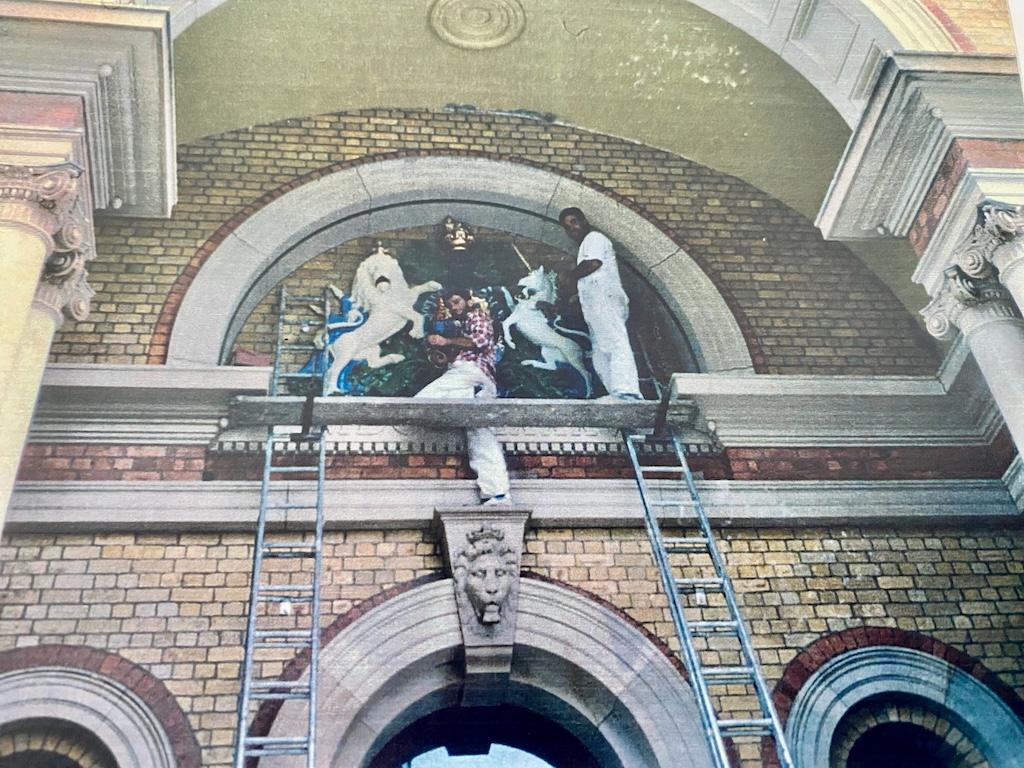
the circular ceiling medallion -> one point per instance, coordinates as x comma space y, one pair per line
477, 24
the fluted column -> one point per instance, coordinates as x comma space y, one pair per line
43, 253
984, 311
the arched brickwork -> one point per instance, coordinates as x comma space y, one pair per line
818, 653
264, 718
263, 724
160, 702
709, 312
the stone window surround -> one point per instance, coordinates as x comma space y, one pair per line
103, 707
843, 681
254, 251
131, 712
575, 660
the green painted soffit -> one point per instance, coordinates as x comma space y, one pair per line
667, 74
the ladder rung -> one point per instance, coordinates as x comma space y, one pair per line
292, 685
285, 470
726, 675
684, 545
275, 741
297, 505
283, 633
285, 598
285, 588
713, 627
659, 469
702, 583
284, 644
751, 727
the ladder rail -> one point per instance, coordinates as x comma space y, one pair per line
690, 655
253, 689
746, 642
716, 728
245, 696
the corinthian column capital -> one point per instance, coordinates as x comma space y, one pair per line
999, 225
967, 303
46, 200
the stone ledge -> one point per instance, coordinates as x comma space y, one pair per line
393, 504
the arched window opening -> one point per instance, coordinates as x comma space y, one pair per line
484, 737
903, 731
50, 743
502, 269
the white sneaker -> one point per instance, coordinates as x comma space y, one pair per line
501, 500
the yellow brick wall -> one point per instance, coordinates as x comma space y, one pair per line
175, 604
985, 22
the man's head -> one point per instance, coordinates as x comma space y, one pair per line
574, 223
457, 300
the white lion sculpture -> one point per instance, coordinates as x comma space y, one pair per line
539, 286
379, 287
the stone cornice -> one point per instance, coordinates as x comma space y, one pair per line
149, 404
391, 504
163, 404
830, 411
117, 60
920, 104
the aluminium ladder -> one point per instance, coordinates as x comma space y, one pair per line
713, 637
284, 602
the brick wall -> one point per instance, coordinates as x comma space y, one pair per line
175, 604
984, 23
104, 461
808, 306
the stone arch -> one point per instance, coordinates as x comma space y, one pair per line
576, 662
99, 705
874, 673
256, 249
122, 705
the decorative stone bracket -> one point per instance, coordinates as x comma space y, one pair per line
483, 551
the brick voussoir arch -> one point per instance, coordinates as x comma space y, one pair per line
149, 689
826, 648
160, 345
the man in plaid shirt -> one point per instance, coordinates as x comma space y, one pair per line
471, 375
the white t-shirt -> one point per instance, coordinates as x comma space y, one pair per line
604, 285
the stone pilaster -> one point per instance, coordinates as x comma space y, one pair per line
983, 310
45, 243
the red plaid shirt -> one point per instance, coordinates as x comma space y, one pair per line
478, 327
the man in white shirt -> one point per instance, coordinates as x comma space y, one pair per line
604, 305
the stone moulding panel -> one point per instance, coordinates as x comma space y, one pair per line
415, 191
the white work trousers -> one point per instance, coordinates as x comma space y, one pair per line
464, 380
611, 353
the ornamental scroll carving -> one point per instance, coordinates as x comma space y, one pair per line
48, 200
966, 302
998, 224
